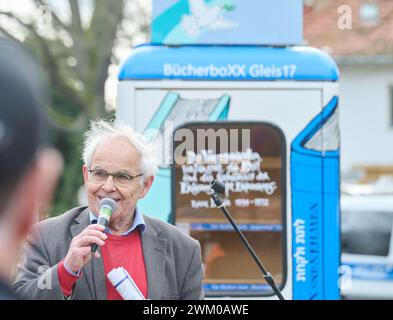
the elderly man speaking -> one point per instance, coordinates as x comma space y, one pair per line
163, 262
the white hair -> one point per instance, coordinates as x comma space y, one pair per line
101, 129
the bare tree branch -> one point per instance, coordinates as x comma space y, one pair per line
59, 23
8, 34
92, 47
105, 21
76, 24
81, 44
50, 61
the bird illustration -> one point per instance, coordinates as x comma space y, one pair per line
203, 16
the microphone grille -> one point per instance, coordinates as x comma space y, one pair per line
108, 202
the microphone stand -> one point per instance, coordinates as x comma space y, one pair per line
220, 204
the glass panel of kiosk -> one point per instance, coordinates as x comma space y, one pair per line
250, 159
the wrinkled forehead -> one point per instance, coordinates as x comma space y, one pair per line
116, 154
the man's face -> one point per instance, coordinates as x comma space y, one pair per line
114, 155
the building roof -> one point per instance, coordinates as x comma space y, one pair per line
370, 36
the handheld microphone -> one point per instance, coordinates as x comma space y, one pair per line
107, 207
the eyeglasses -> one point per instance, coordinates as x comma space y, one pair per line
119, 178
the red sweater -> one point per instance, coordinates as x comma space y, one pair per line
114, 255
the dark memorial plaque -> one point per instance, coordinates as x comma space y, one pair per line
249, 158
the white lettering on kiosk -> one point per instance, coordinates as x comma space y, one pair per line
273, 71
241, 172
300, 250
257, 71
211, 70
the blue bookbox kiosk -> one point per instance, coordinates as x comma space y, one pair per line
282, 188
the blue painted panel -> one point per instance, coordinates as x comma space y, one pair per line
157, 202
279, 22
315, 215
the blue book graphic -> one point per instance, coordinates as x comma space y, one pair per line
315, 207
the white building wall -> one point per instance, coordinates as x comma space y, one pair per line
366, 132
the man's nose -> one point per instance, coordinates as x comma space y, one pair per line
109, 184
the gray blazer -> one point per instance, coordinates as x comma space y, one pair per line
172, 259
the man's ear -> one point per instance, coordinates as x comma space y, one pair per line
146, 186
85, 173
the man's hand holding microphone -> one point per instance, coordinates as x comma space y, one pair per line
85, 244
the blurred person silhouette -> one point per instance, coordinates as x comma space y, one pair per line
28, 168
